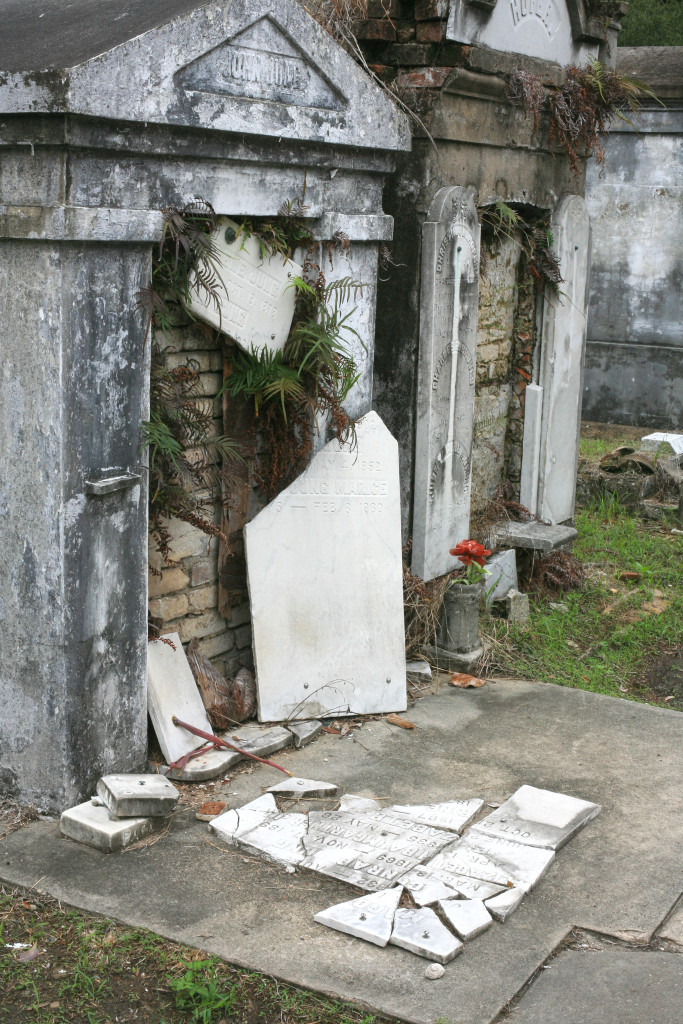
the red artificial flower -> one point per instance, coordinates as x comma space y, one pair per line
468, 551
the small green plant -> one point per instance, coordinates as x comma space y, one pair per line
535, 240
200, 995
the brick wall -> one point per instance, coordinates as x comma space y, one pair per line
185, 597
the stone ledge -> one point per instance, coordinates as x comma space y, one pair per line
533, 536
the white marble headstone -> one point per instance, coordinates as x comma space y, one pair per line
255, 296
538, 817
326, 585
446, 379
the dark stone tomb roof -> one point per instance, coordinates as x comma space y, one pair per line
658, 67
42, 35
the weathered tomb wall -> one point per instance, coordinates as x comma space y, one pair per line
634, 354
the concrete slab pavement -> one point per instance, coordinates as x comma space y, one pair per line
620, 876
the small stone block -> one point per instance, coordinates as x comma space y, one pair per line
517, 609
304, 788
369, 917
502, 576
418, 671
467, 918
137, 796
421, 932
538, 817
304, 732
94, 826
502, 905
662, 442
231, 825
453, 815
278, 838
351, 802
534, 536
452, 661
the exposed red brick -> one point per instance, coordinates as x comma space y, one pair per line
384, 73
430, 31
376, 29
383, 8
427, 9
426, 78
411, 54
405, 33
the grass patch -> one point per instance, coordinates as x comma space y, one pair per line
82, 969
607, 632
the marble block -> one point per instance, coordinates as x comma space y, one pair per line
303, 788
505, 903
662, 442
538, 817
93, 825
137, 796
172, 690
370, 849
332, 539
234, 823
491, 860
278, 838
351, 802
255, 297
503, 576
425, 889
369, 917
453, 815
467, 918
421, 932
304, 732
419, 671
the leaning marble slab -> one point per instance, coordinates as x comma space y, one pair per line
206, 766
370, 849
368, 917
421, 932
232, 824
491, 859
538, 817
502, 905
467, 918
172, 692
309, 788
278, 839
453, 815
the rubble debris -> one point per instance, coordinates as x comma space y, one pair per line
227, 701
434, 971
94, 826
465, 680
137, 796
210, 810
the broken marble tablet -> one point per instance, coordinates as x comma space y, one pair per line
278, 838
308, 788
467, 918
453, 815
538, 817
232, 824
502, 905
491, 859
421, 932
93, 825
368, 917
137, 796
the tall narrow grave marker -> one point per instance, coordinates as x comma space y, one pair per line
446, 377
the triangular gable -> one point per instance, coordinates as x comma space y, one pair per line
553, 30
256, 67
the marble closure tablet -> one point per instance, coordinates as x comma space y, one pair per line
370, 849
278, 839
369, 917
421, 932
467, 918
538, 817
502, 905
296, 787
492, 859
172, 691
230, 825
454, 815
425, 889
331, 539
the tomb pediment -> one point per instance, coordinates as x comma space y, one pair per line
553, 30
256, 67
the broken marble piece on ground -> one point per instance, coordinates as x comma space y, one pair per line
661, 441
418, 672
137, 796
502, 578
278, 838
453, 815
425, 889
369, 849
491, 859
422, 882
206, 766
304, 732
346, 501
368, 917
352, 802
93, 825
233, 824
538, 817
421, 932
305, 788
467, 918
253, 739
502, 905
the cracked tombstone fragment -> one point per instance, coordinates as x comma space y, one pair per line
137, 796
94, 826
296, 787
368, 917
538, 817
234, 823
467, 918
304, 732
453, 815
278, 839
421, 932
491, 859
505, 903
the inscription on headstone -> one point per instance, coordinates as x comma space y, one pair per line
325, 582
255, 295
446, 378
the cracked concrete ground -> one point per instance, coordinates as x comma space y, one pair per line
620, 877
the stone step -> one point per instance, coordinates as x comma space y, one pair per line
533, 536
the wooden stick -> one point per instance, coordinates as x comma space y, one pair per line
218, 742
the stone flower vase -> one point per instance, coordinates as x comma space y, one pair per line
458, 629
